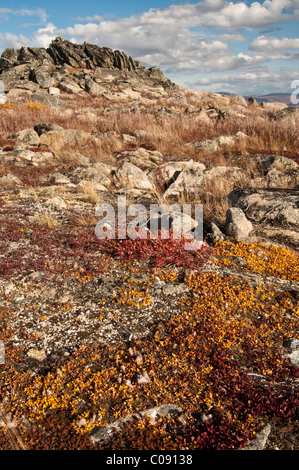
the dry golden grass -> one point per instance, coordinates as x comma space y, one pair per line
47, 220
165, 132
84, 220
90, 192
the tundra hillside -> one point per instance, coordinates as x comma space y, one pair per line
140, 344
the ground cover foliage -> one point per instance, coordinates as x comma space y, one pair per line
96, 331
221, 359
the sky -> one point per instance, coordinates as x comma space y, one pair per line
243, 47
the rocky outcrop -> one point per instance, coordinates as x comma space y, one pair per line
289, 112
274, 212
32, 68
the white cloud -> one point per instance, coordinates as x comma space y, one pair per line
5, 13
183, 38
40, 12
174, 38
13, 40
43, 36
258, 81
263, 44
230, 37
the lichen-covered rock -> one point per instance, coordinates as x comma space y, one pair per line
236, 224
273, 212
130, 176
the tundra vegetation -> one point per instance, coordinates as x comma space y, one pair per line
139, 344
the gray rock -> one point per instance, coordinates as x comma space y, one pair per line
282, 179
189, 180
293, 347
46, 99
273, 212
176, 288
168, 173
104, 433
9, 179
236, 224
42, 77
44, 127
23, 155
260, 441
37, 354
53, 91
70, 87
288, 112
94, 88
140, 157
26, 136
130, 176
59, 178
216, 234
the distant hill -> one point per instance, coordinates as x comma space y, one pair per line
268, 98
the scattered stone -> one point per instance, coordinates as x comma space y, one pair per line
189, 180
53, 91
104, 433
37, 354
293, 355
273, 212
260, 441
215, 235
9, 179
236, 224
94, 89
56, 201
59, 178
175, 288
252, 101
130, 176
26, 136
44, 98
42, 78
140, 157
70, 87
143, 378
287, 112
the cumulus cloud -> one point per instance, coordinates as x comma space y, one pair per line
13, 40
43, 36
183, 38
174, 38
230, 37
40, 12
5, 13
263, 44
253, 82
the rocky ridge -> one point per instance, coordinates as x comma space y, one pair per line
69, 67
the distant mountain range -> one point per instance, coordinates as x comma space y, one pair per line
270, 98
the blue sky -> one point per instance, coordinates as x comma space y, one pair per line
242, 47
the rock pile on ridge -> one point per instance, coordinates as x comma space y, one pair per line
33, 68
